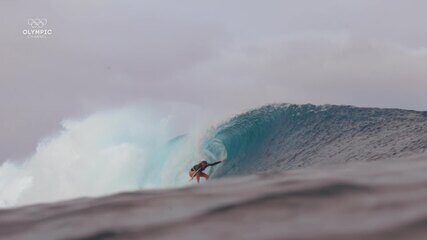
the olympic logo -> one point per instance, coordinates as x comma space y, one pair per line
37, 22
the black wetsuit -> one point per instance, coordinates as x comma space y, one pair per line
199, 166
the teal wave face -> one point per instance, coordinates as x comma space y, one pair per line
289, 136
244, 137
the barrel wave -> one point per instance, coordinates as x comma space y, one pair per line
288, 136
128, 149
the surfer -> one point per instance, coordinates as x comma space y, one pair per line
197, 170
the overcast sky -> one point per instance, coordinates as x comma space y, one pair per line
219, 56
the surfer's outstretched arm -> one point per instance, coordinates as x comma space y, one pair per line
213, 164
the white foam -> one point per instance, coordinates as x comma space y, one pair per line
105, 153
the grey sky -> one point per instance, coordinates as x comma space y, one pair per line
220, 56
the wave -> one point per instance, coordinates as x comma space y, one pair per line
288, 136
129, 149
105, 153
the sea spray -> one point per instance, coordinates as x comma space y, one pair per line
107, 152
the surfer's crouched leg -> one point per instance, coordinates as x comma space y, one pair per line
191, 173
204, 175
194, 174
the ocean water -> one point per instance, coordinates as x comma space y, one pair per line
131, 149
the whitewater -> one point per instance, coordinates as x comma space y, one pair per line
132, 149
107, 152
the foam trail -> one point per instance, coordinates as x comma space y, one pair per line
105, 153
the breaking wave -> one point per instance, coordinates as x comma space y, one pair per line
108, 152
128, 149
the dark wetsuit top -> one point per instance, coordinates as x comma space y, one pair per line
199, 166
